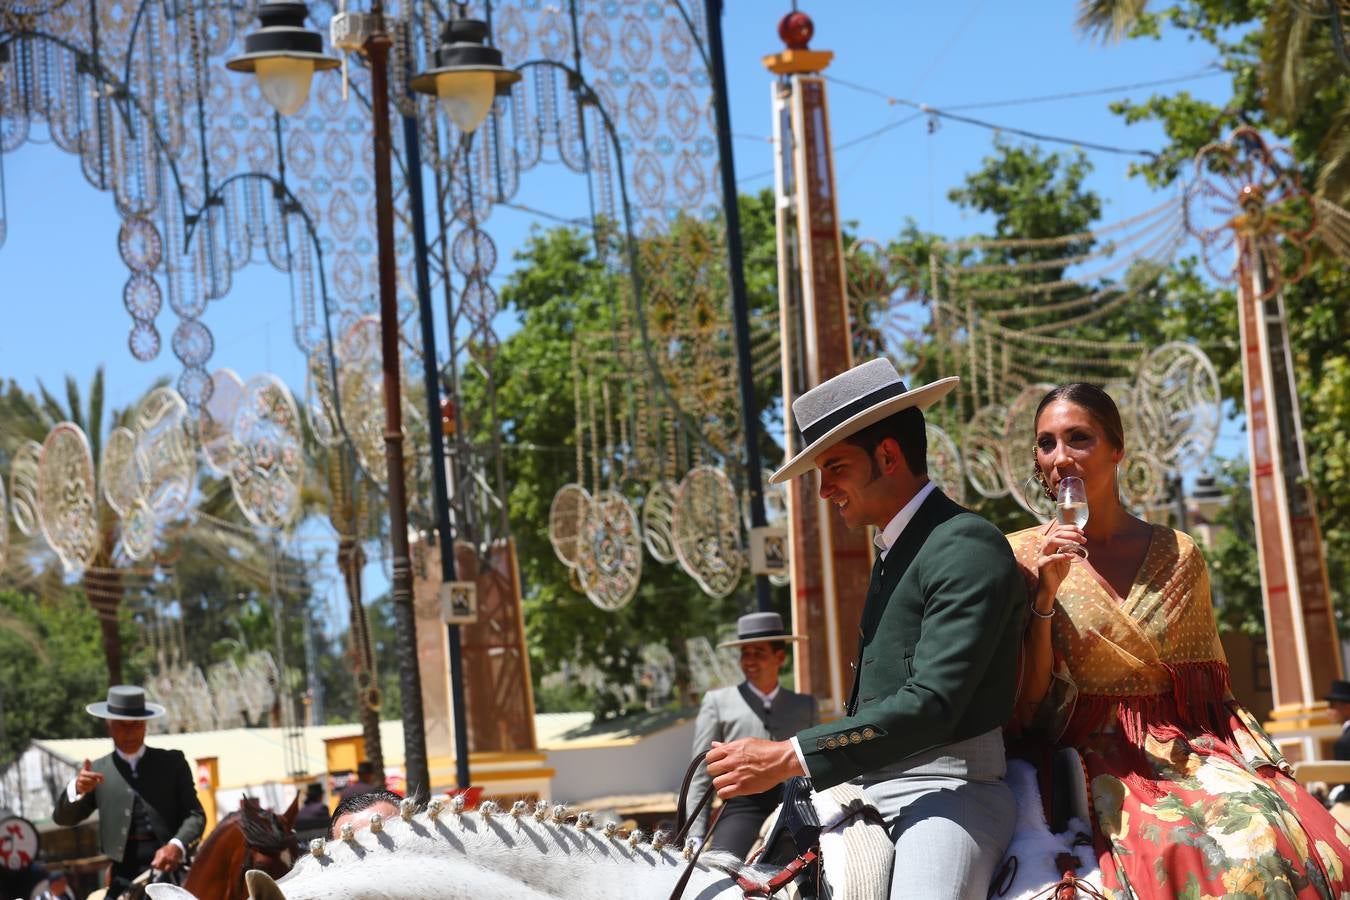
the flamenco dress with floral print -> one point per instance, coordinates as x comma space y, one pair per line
1190, 798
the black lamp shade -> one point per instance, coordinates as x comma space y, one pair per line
463, 49
283, 34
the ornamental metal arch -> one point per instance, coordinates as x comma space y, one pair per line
131, 109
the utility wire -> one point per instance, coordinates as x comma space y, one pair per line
1208, 71
851, 142
1036, 136
949, 112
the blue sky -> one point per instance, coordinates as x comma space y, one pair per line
61, 277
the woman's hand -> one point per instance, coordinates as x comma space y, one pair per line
1054, 555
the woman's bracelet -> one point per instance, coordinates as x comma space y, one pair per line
1040, 615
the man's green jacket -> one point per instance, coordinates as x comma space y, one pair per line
941, 631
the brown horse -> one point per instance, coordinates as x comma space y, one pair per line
252, 838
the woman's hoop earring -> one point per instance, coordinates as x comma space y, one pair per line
1039, 476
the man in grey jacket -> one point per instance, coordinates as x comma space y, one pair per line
757, 707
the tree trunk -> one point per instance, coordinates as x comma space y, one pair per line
351, 559
103, 589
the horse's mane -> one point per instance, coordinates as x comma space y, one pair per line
209, 842
262, 828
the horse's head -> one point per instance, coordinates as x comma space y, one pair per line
270, 843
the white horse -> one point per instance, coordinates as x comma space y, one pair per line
526, 853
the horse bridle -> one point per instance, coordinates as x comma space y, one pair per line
749, 887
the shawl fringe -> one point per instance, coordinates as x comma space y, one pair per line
1195, 706
1196, 701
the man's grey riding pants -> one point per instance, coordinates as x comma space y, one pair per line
951, 816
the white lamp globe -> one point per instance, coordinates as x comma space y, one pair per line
466, 97
284, 55
284, 82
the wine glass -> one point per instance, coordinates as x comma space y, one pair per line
1071, 508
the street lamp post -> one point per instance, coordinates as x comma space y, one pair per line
740, 305
466, 77
284, 55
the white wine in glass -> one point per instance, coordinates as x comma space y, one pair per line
1071, 508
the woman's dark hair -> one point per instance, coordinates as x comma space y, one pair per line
1096, 401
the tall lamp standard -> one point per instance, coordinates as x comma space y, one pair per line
284, 55
466, 77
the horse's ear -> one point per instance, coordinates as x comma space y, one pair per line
167, 892
292, 811
261, 886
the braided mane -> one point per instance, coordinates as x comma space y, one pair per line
262, 828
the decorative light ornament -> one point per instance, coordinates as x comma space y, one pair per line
284, 55
468, 74
1247, 197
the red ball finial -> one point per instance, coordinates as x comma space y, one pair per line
796, 29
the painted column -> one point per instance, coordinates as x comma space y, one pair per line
1300, 625
830, 564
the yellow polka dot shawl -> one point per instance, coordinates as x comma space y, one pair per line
1150, 662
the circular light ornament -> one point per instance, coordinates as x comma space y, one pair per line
284, 55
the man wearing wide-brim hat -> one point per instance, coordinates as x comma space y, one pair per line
146, 798
757, 707
936, 670
1338, 706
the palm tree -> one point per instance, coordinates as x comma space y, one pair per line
27, 418
1108, 20
343, 495
347, 502
1295, 68
1296, 65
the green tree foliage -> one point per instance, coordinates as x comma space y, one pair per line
24, 418
51, 666
215, 574
562, 292
1288, 82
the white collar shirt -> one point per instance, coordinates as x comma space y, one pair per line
766, 699
885, 539
133, 759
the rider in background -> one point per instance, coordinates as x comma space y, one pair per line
314, 813
757, 707
146, 798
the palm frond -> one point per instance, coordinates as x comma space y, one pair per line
14, 624
73, 398
22, 419
1333, 179
1108, 20
50, 405
95, 429
1286, 75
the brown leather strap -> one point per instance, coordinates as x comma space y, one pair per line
683, 824
751, 888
